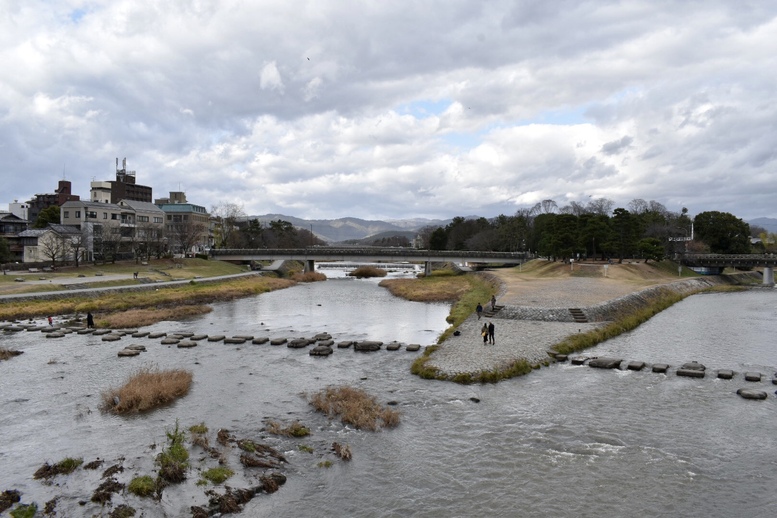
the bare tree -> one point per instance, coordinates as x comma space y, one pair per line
638, 206
227, 216
53, 246
77, 244
601, 206
186, 234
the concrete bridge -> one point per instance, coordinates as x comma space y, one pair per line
368, 254
720, 261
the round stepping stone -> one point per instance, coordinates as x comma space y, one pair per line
235, 340
277, 341
170, 341
111, 337
605, 363
413, 347
128, 352
298, 343
140, 334
260, 340
725, 374
393, 346
327, 343
99, 332
87, 331
215, 338
136, 347
751, 393
58, 334
184, 334
187, 344
344, 345
198, 337
322, 336
321, 350
157, 334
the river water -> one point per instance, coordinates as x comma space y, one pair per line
563, 441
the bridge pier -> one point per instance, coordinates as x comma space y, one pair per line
427, 268
768, 276
310, 265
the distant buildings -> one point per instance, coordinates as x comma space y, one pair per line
44, 201
123, 188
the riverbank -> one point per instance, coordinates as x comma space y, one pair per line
535, 313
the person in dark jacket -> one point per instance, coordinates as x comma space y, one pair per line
89, 320
491, 338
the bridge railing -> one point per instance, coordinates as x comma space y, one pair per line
744, 260
321, 251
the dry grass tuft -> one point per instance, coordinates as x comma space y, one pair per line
367, 271
134, 318
7, 354
308, 277
355, 407
146, 389
295, 429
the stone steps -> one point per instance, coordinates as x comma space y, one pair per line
578, 315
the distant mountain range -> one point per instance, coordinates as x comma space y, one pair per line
351, 229
348, 229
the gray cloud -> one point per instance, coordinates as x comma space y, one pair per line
395, 109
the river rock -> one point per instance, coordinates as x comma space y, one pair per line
139, 334
561, 357
690, 373
751, 393
725, 374
86, 331
660, 368
578, 360
128, 352
367, 346
235, 340
136, 347
111, 337
413, 347
393, 346
605, 363
752, 376
157, 334
186, 344
344, 344
215, 338
184, 334
57, 334
636, 366
260, 340
327, 343
298, 343
170, 341
693, 366
321, 350
277, 341
197, 338
322, 336
99, 332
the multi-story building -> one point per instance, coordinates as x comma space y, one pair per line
123, 188
55, 244
44, 201
187, 226
10, 227
20, 210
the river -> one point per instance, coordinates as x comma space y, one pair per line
564, 441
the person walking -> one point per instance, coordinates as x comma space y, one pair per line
89, 320
479, 310
491, 338
493, 303
484, 333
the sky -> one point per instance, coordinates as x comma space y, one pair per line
395, 109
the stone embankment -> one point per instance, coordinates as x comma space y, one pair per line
527, 331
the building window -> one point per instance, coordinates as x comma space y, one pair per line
105, 215
78, 214
114, 216
66, 214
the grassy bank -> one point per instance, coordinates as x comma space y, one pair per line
148, 306
422, 369
464, 290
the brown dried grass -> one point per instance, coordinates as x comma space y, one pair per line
368, 271
308, 277
145, 317
355, 407
147, 388
429, 289
7, 354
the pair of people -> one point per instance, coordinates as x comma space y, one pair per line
487, 332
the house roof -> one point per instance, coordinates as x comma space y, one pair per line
90, 204
141, 205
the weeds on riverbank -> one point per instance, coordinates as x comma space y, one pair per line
355, 407
176, 299
174, 459
63, 467
142, 486
578, 342
295, 429
146, 389
308, 277
367, 271
7, 354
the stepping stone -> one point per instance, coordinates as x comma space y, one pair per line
260, 340
235, 340
605, 363
128, 352
157, 334
277, 341
690, 373
344, 345
322, 336
215, 338
140, 334
298, 343
660, 368
111, 337
694, 366
184, 334
413, 347
321, 350
752, 376
751, 393
393, 346
245, 338
327, 343
187, 344
578, 360
136, 347
98, 332
636, 366
196, 338
55, 335
367, 346
170, 341
85, 331
561, 357
725, 374
66, 331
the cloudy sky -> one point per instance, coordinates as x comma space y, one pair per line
395, 109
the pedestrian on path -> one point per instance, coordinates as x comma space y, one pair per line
479, 310
484, 333
89, 320
491, 338
493, 303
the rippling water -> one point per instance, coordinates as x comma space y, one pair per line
563, 441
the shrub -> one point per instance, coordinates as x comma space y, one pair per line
308, 276
198, 429
25, 511
367, 271
7, 354
174, 459
355, 407
146, 389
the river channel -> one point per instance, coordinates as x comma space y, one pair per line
564, 441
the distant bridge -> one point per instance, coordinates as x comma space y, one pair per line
720, 261
366, 254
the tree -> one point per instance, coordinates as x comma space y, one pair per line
46, 216
227, 216
5, 251
53, 246
650, 248
438, 239
624, 236
186, 234
723, 232
76, 245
